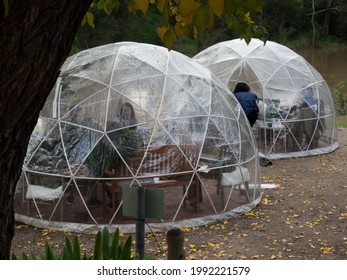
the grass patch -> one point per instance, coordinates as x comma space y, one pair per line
341, 121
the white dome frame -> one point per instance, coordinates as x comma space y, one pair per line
81, 134
280, 77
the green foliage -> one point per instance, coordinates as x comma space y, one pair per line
239, 17
103, 249
73, 252
104, 156
107, 29
89, 18
190, 18
271, 112
127, 143
48, 253
340, 96
341, 121
108, 5
290, 20
114, 250
287, 23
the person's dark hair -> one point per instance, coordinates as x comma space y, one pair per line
129, 105
132, 121
241, 87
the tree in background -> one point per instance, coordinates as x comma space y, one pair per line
283, 19
291, 19
286, 21
37, 37
330, 17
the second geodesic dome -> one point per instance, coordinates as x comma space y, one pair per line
126, 116
299, 119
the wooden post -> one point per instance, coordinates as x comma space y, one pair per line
175, 242
140, 224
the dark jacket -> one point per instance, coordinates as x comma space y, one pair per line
248, 102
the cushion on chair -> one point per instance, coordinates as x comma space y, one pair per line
44, 193
237, 177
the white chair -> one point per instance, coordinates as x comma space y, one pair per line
237, 178
43, 194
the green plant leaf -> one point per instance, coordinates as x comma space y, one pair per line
168, 39
100, 5
67, 251
114, 254
141, 5
217, 6
77, 250
162, 6
49, 253
98, 247
108, 6
134, 5
84, 20
187, 9
126, 251
90, 19
201, 18
106, 243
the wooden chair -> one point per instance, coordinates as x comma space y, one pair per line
161, 166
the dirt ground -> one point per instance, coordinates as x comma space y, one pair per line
304, 217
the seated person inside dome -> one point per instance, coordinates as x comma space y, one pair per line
303, 119
128, 118
124, 136
305, 100
126, 125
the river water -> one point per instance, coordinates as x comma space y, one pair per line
330, 63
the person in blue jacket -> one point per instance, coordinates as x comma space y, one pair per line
248, 101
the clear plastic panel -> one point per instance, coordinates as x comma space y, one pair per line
135, 115
286, 82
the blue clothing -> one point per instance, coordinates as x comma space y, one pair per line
248, 102
308, 101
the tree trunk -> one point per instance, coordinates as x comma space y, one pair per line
37, 37
313, 24
327, 17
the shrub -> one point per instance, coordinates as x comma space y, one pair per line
103, 249
340, 97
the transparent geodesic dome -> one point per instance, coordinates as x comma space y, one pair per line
299, 114
126, 116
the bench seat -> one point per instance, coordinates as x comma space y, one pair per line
161, 166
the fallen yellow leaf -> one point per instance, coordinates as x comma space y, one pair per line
327, 250
265, 201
